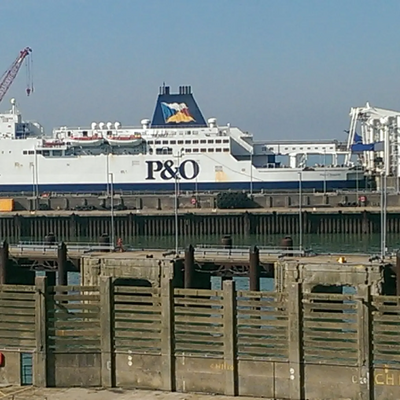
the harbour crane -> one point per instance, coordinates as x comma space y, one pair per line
9, 75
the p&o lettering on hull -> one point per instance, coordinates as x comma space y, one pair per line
167, 170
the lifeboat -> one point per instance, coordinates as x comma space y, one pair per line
85, 141
124, 140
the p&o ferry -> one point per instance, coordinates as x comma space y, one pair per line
176, 145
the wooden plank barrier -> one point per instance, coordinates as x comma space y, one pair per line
386, 331
262, 325
137, 319
198, 325
330, 333
17, 317
73, 318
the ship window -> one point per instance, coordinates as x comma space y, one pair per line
210, 141
180, 141
188, 141
25, 152
195, 150
57, 153
150, 142
195, 142
308, 148
164, 150
172, 142
31, 152
211, 150
188, 150
218, 168
203, 150
165, 142
38, 151
301, 148
158, 141
218, 150
203, 141
226, 150
46, 153
218, 141
226, 141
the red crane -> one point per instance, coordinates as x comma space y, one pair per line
8, 77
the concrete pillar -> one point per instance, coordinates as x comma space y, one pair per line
189, 267
40, 356
365, 380
62, 264
3, 262
106, 328
254, 269
230, 338
167, 335
296, 373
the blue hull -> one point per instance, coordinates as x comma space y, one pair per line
185, 186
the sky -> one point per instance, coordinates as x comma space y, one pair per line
280, 69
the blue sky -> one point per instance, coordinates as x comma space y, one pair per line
279, 69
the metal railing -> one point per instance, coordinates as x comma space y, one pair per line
75, 247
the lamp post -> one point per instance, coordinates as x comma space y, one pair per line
176, 204
383, 214
251, 173
111, 175
324, 171
300, 213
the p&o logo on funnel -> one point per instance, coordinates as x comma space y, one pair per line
174, 112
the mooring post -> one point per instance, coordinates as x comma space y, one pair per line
62, 264
3, 262
254, 269
189, 267
398, 274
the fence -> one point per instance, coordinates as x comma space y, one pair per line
289, 345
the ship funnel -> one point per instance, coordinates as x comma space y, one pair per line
212, 122
101, 125
145, 123
109, 124
117, 125
93, 126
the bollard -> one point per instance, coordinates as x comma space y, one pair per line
226, 241
254, 269
189, 267
62, 264
50, 238
3, 262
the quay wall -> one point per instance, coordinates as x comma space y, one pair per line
293, 345
91, 225
190, 201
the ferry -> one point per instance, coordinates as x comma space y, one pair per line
177, 146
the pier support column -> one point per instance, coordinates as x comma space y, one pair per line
3, 262
62, 264
254, 269
189, 267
